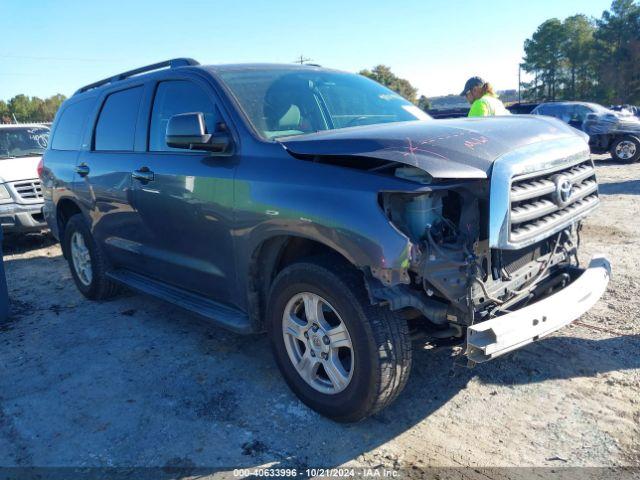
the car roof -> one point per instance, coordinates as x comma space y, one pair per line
248, 67
156, 69
586, 104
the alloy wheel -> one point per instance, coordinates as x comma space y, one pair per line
318, 343
81, 258
625, 149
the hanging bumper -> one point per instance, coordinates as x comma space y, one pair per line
495, 337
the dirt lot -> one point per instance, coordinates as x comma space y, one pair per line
135, 382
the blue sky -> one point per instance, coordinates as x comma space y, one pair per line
57, 46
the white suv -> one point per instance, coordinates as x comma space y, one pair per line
21, 149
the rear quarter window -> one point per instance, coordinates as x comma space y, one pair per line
116, 127
71, 125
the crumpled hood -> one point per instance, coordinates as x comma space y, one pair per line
610, 123
457, 148
21, 168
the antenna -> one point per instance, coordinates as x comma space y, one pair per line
302, 60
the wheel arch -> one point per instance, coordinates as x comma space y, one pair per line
65, 209
274, 254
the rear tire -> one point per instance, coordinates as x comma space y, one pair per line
626, 149
375, 367
87, 261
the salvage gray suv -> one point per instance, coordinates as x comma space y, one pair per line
326, 210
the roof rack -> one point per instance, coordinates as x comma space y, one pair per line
173, 63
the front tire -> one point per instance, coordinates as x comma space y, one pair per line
87, 261
626, 149
341, 356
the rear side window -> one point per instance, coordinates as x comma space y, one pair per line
71, 125
116, 127
174, 97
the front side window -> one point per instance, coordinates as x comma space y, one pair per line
116, 127
561, 112
23, 141
172, 98
292, 101
580, 113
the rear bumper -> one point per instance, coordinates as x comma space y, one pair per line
495, 337
16, 218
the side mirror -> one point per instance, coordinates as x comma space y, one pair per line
189, 131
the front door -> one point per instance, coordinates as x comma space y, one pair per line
184, 199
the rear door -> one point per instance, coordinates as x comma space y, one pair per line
103, 175
184, 198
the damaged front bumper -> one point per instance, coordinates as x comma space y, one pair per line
495, 337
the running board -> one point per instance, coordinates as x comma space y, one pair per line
222, 315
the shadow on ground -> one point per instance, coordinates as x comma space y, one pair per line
628, 187
136, 382
13, 244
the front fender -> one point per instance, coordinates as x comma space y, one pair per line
334, 206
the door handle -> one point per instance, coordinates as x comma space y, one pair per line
83, 170
143, 175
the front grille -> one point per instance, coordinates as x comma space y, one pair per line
29, 191
541, 203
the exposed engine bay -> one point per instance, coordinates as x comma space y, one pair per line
454, 278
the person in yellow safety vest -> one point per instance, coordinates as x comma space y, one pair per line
484, 102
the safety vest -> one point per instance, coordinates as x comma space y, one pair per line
487, 106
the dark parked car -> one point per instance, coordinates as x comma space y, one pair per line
522, 108
628, 109
609, 131
326, 210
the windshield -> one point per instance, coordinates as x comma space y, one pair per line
23, 141
285, 102
599, 109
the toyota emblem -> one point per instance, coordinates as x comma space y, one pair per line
563, 191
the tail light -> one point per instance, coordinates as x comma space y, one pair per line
40, 167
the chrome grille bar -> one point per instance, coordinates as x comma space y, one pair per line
539, 187
574, 212
29, 191
540, 202
531, 211
528, 175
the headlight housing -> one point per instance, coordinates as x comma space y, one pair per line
5, 196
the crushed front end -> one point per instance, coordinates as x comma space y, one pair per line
495, 262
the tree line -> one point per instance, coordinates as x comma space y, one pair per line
23, 108
383, 75
582, 58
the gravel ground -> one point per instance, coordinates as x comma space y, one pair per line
134, 382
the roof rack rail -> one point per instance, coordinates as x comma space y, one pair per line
173, 63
